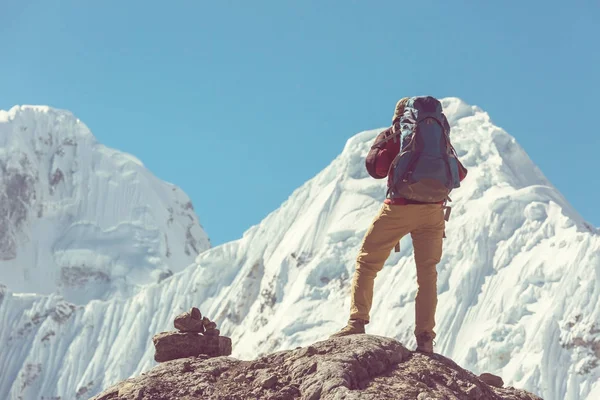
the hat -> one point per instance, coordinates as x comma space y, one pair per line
399, 110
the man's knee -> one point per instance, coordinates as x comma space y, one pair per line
368, 267
428, 256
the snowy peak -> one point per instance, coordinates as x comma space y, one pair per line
498, 165
81, 218
499, 169
518, 284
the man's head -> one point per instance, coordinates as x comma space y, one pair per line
399, 110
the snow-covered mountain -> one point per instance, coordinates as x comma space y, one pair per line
519, 292
82, 219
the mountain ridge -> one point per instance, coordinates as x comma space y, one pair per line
517, 282
81, 218
356, 367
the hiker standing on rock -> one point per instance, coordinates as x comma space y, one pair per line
422, 167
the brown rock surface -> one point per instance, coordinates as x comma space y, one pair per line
361, 367
190, 321
208, 324
212, 332
174, 345
491, 379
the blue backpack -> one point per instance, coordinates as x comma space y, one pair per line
426, 169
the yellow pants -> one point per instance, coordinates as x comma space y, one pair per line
425, 223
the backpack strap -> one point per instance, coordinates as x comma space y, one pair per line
447, 209
446, 156
424, 115
396, 132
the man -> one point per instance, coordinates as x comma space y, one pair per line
401, 214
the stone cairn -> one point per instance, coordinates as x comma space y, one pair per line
196, 336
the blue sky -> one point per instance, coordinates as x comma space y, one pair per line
240, 102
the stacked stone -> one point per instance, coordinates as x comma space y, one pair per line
193, 321
197, 336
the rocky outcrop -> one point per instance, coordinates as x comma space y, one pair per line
197, 336
356, 367
173, 345
190, 321
492, 380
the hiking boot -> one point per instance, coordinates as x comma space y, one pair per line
354, 327
425, 342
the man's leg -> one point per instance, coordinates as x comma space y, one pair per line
390, 225
427, 242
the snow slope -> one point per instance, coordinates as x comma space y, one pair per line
82, 219
518, 284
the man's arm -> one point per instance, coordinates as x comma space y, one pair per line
386, 155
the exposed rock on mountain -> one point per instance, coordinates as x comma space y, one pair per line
81, 219
197, 336
357, 367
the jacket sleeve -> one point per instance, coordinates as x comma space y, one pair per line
386, 156
383, 162
371, 161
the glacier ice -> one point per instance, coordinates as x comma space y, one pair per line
518, 283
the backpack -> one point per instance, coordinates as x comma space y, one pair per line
426, 169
